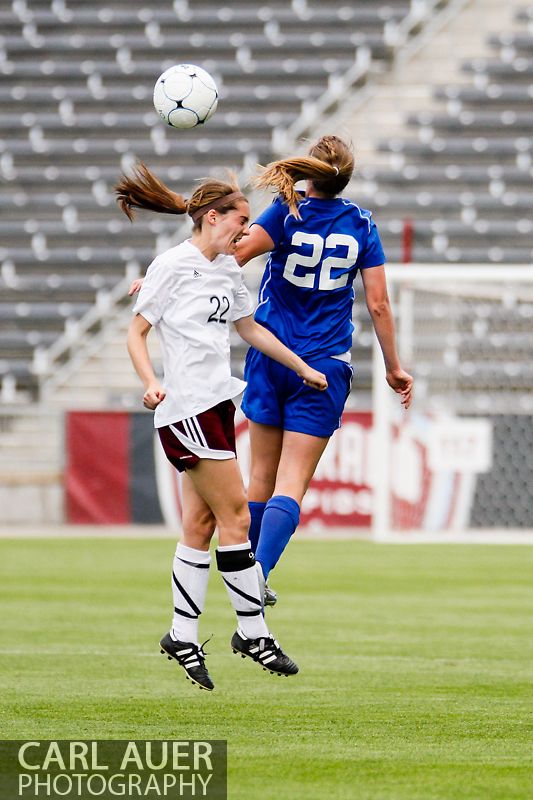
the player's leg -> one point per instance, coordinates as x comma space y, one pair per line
190, 569
206, 443
197, 519
299, 459
266, 442
190, 575
310, 418
263, 403
220, 485
185, 444
265, 450
300, 455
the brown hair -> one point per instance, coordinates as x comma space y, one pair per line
329, 167
144, 190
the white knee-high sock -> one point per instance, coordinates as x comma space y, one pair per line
190, 574
236, 564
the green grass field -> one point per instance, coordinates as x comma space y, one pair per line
415, 665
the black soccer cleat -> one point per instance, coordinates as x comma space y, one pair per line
266, 651
191, 657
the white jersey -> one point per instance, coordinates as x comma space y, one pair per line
190, 301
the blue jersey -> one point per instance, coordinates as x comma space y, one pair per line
306, 293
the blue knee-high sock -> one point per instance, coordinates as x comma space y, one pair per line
280, 520
256, 517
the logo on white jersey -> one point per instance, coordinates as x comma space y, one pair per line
197, 274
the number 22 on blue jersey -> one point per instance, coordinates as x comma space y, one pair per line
307, 265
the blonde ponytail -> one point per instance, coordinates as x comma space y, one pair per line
329, 166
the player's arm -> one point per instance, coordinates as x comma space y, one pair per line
379, 308
255, 243
138, 350
260, 338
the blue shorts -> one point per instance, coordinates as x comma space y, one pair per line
275, 395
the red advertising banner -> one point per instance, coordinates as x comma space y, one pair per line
117, 472
97, 468
340, 493
109, 471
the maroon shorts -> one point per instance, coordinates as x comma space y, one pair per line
210, 434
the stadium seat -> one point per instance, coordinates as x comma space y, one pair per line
475, 145
495, 94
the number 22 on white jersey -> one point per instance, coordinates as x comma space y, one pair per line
310, 262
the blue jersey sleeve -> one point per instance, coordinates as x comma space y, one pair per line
272, 220
372, 255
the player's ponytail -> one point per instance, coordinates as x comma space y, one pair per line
144, 190
329, 166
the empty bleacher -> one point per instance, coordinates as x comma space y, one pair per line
463, 178
76, 81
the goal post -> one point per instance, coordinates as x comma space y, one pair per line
461, 459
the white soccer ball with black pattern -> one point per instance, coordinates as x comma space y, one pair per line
185, 96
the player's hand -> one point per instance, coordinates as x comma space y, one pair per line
402, 383
154, 395
316, 380
135, 286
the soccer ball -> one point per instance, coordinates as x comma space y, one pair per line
185, 96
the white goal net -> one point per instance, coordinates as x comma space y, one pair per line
461, 459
